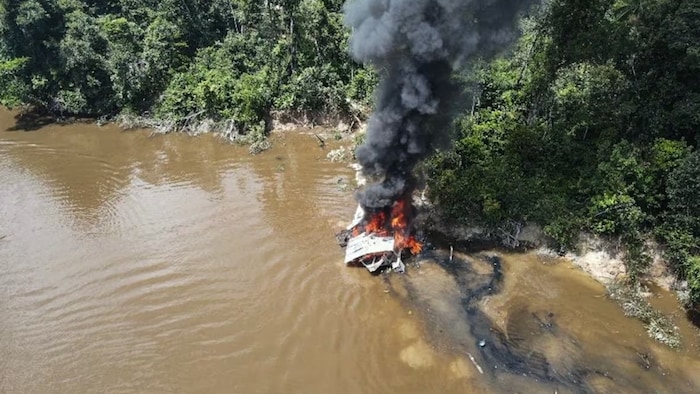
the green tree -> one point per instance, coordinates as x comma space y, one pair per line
84, 68
588, 125
12, 87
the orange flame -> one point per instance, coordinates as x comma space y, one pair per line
398, 225
376, 224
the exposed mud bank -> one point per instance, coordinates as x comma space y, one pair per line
29, 118
600, 259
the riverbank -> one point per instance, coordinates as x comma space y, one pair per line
599, 258
334, 126
189, 291
602, 260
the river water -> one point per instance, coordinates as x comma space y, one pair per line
133, 263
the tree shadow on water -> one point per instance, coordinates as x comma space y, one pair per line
31, 120
34, 119
694, 316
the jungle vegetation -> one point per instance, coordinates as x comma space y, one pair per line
237, 60
590, 123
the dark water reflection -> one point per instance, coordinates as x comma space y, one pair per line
139, 263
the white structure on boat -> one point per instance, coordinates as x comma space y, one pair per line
371, 250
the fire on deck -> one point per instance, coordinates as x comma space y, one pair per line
372, 249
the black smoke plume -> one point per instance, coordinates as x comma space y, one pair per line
415, 45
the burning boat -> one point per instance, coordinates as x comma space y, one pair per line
380, 238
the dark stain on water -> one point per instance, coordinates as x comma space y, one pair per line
519, 350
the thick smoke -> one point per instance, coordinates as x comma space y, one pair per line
415, 45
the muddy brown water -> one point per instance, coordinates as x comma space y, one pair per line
132, 263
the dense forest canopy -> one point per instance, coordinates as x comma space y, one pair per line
221, 59
589, 123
